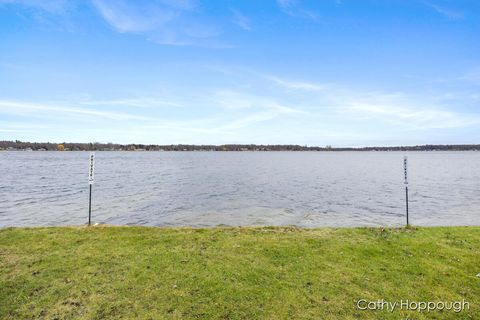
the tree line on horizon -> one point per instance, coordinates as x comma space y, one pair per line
96, 146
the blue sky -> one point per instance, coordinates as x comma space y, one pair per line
324, 72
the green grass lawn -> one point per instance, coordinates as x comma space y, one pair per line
234, 273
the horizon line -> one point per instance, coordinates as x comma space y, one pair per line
306, 146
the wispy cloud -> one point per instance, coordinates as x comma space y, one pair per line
472, 76
126, 16
231, 99
27, 108
137, 102
163, 21
297, 85
52, 6
50, 14
241, 20
169, 22
286, 4
256, 103
15, 127
250, 109
235, 111
394, 108
248, 120
419, 119
446, 12
294, 9
405, 111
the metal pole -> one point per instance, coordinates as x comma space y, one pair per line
91, 180
406, 202
90, 207
405, 172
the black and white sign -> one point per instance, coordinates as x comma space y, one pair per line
405, 169
91, 172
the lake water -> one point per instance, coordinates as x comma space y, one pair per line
307, 189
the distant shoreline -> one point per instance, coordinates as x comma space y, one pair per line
221, 151
72, 146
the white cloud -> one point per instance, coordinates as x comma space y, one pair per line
137, 102
298, 85
248, 120
52, 6
163, 21
472, 76
249, 109
242, 21
16, 130
29, 109
169, 22
285, 4
125, 16
446, 12
230, 99
297, 110
18, 127
411, 112
409, 116
293, 8
50, 14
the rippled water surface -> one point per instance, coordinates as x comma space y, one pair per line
307, 189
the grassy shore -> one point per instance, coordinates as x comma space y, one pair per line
234, 273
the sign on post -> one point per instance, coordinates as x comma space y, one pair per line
91, 181
405, 172
91, 172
